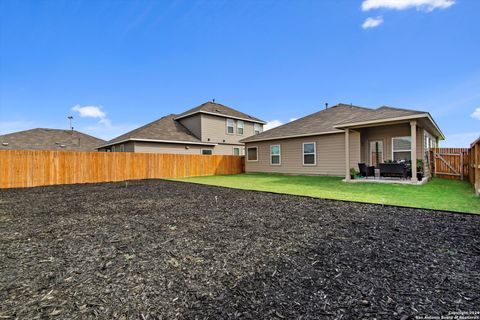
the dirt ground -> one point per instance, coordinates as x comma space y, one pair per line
169, 250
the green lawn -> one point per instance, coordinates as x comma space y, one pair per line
438, 194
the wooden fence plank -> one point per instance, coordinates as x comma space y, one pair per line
30, 168
474, 165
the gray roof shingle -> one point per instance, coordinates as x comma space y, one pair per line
169, 129
49, 139
165, 128
383, 113
325, 121
220, 110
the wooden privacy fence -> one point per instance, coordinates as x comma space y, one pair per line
474, 176
450, 163
25, 168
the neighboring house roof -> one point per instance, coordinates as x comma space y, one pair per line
165, 129
333, 119
219, 110
475, 142
49, 139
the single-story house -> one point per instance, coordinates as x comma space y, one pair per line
332, 141
49, 139
210, 128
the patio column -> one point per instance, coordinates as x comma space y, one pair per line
347, 154
413, 133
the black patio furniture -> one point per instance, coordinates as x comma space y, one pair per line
366, 171
398, 170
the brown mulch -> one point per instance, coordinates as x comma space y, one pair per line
170, 250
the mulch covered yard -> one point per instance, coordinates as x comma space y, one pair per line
166, 250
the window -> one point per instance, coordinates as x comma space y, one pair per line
252, 154
207, 151
121, 148
113, 148
402, 148
429, 141
236, 151
230, 127
257, 128
240, 127
309, 153
275, 154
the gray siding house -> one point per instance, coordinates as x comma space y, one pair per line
210, 128
332, 141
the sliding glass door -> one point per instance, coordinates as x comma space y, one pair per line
376, 152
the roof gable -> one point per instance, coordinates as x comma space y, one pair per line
219, 110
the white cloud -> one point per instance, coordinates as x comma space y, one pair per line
92, 112
293, 119
476, 114
89, 111
426, 5
272, 124
372, 22
459, 140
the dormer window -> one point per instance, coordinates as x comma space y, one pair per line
230, 126
257, 128
240, 127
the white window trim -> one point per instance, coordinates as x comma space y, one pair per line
383, 150
430, 141
201, 152
406, 150
314, 154
242, 127
233, 126
239, 151
279, 155
246, 153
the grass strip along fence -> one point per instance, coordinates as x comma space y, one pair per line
30, 168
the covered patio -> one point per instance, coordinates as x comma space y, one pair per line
393, 150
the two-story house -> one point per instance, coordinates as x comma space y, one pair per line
210, 128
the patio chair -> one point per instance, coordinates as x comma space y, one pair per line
366, 171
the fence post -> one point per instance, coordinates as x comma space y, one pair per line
461, 165
477, 167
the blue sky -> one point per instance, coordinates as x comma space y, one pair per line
134, 61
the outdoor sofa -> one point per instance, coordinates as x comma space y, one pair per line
398, 170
